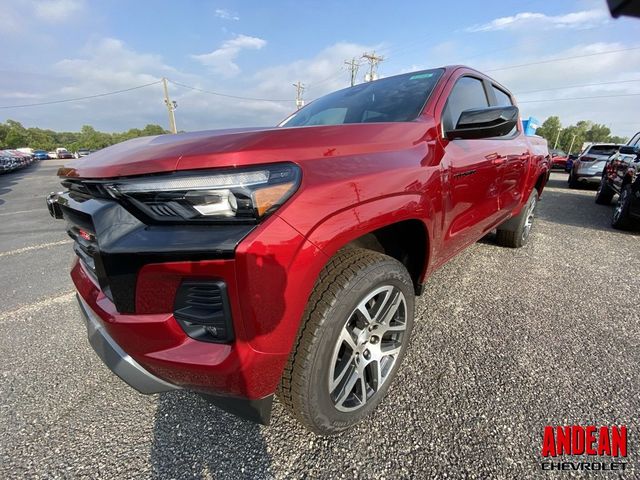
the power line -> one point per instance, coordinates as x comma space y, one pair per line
81, 98
562, 59
577, 86
237, 97
582, 98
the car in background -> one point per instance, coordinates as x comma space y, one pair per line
40, 155
588, 167
7, 162
570, 159
558, 159
52, 154
63, 153
83, 152
622, 176
23, 159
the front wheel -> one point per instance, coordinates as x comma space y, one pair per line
515, 232
353, 337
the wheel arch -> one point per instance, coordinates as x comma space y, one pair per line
395, 226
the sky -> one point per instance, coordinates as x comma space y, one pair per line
545, 52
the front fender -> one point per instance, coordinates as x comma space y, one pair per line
347, 225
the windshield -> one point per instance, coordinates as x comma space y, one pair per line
394, 99
603, 150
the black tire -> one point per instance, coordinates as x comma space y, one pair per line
572, 180
620, 219
605, 193
515, 232
349, 277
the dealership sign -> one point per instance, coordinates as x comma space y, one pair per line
592, 441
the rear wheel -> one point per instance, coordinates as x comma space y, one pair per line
621, 218
514, 233
573, 181
605, 192
353, 337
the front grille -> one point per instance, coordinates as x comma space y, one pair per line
202, 309
85, 190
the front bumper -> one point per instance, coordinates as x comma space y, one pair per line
128, 274
118, 361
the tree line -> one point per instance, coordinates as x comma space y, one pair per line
14, 135
570, 138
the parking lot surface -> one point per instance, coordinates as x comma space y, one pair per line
505, 342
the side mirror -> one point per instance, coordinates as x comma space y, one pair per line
630, 150
485, 123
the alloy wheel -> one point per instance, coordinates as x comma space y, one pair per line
528, 223
368, 347
617, 213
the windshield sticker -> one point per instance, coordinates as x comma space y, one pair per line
421, 75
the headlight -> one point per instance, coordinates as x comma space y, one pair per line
238, 195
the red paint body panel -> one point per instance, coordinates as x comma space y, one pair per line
356, 178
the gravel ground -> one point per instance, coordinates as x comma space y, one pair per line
506, 342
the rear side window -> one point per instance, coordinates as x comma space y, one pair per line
503, 100
635, 140
603, 149
467, 93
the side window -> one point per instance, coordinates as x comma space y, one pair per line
467, 93
635, 141
502, 98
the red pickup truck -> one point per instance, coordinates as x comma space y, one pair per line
244, 263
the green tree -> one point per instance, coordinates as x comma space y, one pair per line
598, 133
549, 130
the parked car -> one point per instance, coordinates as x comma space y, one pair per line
7, 162
621, 176
53, 154
40, 155
558, 159
22, 158
83, 152
63, 153
570, 159
241, 262
588, 167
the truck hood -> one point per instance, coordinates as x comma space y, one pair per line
239, 147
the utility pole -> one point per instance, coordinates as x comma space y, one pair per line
571, 146
353, 69
557, 138
299, 91
171, 107
373, 60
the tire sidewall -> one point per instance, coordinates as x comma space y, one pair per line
533, 198
624, 201
323, 412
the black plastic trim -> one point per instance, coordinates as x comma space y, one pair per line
212, 309
122, 244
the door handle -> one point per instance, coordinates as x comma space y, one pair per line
495, 159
